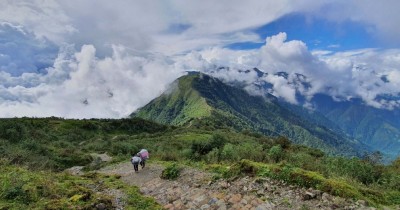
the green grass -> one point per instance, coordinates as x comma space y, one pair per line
21, 188
178, 106
137, 201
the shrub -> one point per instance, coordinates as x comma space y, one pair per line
123, 148
302, 160
355, 168
276, 153
247, 167
200, 147
169, 155
218, 141
250, 151
171, 172
213, 156
204, 147
228, 153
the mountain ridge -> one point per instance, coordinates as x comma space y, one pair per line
221, 105
378, 128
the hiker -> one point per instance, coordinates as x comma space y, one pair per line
144, 154
136, 160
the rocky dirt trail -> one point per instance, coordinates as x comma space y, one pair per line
194, 189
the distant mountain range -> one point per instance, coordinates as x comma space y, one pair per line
198, 99
379, 129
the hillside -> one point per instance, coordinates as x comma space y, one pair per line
177, 106
377, 128
35, 152
200, 100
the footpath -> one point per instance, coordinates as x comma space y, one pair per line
194, 189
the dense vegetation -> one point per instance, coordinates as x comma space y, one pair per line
203, 101
33, 151
31, 148
378, 128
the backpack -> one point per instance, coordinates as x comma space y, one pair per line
144, 154
136, 160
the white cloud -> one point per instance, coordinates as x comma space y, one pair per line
112, 87
80, 84
170, 27
281, 88
45, 18
176, 26
343, 75
130, 50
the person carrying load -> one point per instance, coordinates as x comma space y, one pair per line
144, 155
136, 160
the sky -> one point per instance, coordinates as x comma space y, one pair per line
105, 59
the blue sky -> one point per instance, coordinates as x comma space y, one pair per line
317, 33
67, 59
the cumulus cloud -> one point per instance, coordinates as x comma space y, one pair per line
368, 74
174, 26
282, 88
68, 59
169, 27
80, 84
87, 86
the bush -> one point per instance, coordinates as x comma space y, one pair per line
250, 151
228, 153
276, 153
169, 155
204, 147
213, 156
123, 148
302, 160
354, 168
171, 172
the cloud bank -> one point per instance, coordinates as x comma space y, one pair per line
67, 59
80, 85
368, 74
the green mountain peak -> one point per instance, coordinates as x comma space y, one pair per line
179, 104
200, 100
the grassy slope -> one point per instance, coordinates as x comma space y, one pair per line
178, 106
219, 105
25, 189
64, 143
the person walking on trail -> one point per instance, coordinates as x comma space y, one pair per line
136, 160
144, 154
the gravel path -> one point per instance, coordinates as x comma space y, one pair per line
150, 173
194, 189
